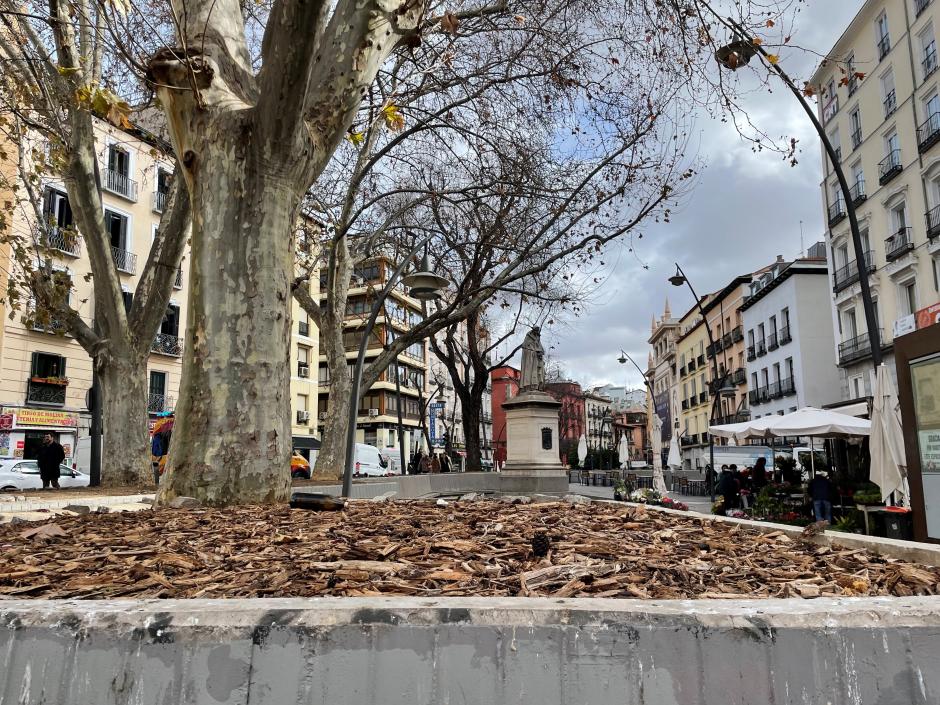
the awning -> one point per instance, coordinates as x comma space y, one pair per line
306, 443
856, 408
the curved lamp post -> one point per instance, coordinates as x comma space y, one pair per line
719, 382
606, 427
424, 285
737, 54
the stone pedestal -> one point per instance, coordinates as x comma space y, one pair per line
532, 443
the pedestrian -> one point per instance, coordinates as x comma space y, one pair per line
435, 464
759, 476
728, 488
445, 463
414, 467
820, 491
49, 457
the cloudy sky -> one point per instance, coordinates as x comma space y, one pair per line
745, 210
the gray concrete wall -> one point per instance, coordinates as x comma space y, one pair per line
471, 650
417, 486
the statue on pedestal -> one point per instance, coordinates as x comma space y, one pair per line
533, 362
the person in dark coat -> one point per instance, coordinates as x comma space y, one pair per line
445, 463
49, 457
759, 475
820, 491
728, 488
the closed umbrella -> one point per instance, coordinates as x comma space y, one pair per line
582, 450
888, 463
623, 451
675, 458
659, 482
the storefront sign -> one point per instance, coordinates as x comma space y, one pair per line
928, 316
929, 443
905, 325
45, 417
435, 409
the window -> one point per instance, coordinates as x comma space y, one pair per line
171, 321
323, 375
928, 48
842, 255
855, 124
836, 143
157, 383
56, 208
907, 298
935, 266
47, 365
883, 38
694, 391
899, 217
777, 372
303, 355
164, 179
858, 181
765, 376
119, 161
773, 324
750, 337
128, 297
888, 94
789, 363
116, 225
849, 329
892, 143
785, 317
760, 334
302, 402
857, 386
850, 70
754, 384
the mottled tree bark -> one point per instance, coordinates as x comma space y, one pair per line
126, 443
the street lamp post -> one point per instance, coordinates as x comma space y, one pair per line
718, 381
737, 54
424, 285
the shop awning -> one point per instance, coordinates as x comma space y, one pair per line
306, 443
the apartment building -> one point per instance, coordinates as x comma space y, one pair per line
377, 422
885, 128
304, 391
791, 351
661, 374
692, 373
622, 397
598, 433
571, 416
45, 375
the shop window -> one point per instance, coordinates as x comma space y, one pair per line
47, 365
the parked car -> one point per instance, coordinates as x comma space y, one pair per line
299, 467
371, 463
17, 474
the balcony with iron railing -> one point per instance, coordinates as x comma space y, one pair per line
761, 348
920, 6
773, 390
46, 391
120, 185
64, 240
857, 192
933, 222
702, 397
785, 336
772, 343
692, 365
787, 386
884, 47
726, 341
160, 403
125, 261
848, 274
857, 348
928, 133
178, 282
753, 396
737, 334
739, 376
303, 328
167, 344
836, 211
889, 167
159, 201
740, 417
690, 440
700, 360
898, 244
751, 353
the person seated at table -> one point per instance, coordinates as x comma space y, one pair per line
820, 491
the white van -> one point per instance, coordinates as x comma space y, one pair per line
370, 462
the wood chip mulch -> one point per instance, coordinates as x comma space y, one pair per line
419, 548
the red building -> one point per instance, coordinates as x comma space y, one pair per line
505, 382
571, 417
632, 423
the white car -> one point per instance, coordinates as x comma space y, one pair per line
18, 474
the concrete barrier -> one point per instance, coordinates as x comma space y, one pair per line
456, 483
492, 651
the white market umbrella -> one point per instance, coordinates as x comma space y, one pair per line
747, 430
582, 450
810, 421
623, 450
675, 458
888, 462
657, 443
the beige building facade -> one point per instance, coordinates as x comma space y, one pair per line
662, 378
45, 375
598, 435
886, 130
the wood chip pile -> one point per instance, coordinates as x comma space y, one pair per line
420, 548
